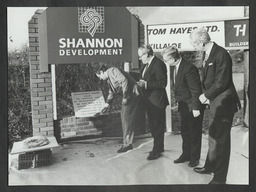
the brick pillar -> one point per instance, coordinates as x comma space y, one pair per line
40, 85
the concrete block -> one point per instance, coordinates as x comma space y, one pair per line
31, 24
37, 81
34, 44
38, 125
32, 49
31, 30
48, 89
33, 90
33, 58
35, 112
48, 80
38, 98
45, 75
48, 98
49, 106
49, 115
34, 53
50, 133
34, 94
49, 124
34, 62
44, 93
45, 102
39, 107
46, 129
34, 71
44, 84
39, 116
35, 103
45, 111
32, 39
33, 76
44, 120
40, 133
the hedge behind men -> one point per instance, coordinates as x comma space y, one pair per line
187, 89
153, 82
219, 90
121, 82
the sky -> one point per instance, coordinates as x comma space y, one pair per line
18, 17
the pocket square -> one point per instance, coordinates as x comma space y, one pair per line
210, 64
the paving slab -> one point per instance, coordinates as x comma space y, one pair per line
96, 162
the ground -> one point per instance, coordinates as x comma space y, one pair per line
95, 162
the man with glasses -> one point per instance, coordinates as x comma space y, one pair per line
153, 82
187, 89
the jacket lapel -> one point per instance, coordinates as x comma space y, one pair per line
147, 73
214, 47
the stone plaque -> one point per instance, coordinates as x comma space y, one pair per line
87, 104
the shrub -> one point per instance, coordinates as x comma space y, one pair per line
19, 100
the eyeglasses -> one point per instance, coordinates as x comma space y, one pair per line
142, 55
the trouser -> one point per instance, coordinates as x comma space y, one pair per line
219, 146
129, 118
191, 132
156, 118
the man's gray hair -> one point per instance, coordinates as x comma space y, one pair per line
200, 35
172, 51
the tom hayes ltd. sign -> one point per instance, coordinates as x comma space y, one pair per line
231, 34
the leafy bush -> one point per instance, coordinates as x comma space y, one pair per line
19, 100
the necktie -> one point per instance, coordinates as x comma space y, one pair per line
145, 69
205, 57
174, 74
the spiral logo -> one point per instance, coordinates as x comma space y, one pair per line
91, 19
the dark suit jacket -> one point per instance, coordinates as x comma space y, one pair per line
218, 84
121, 82
188, 86
156, 77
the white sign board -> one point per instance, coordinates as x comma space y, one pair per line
87, 104
162, 36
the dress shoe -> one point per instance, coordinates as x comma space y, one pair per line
181, 159
202, 170
216, 182
153, 156
193, 163
124, 149
160, 151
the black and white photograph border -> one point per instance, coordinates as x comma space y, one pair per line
93, 161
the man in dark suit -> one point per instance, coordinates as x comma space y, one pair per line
219, 91
153, 81
121, 82
187, 89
